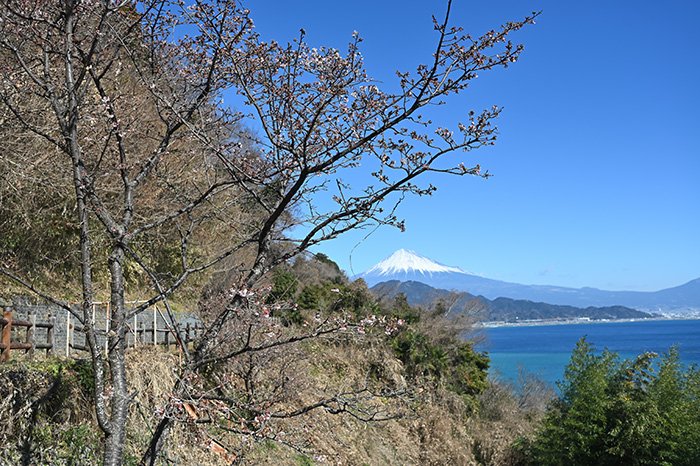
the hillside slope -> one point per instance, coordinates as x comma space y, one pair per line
46, 403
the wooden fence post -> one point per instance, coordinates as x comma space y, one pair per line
49, 335
67, 333
6, 335
31, 332
136, 323
155, 326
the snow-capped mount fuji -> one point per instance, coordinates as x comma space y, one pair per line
405, 266
404, 261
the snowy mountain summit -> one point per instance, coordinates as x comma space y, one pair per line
404, 261
405, 265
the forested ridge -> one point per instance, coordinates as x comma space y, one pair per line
499, 309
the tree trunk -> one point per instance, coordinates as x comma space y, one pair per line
70, 132
156, 444
160, 433
120, 399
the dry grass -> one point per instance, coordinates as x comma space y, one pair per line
504, 418
428, 431
152, 374
432, 425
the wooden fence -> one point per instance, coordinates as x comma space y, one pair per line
29, 343
140, 332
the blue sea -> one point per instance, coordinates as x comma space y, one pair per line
545, 350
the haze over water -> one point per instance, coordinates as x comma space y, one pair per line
545, 350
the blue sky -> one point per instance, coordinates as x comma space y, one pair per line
597, 168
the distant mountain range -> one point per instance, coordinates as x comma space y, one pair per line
499, 309
404, 265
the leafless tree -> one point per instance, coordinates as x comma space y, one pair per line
121, 98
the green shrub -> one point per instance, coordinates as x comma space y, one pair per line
454, 363
404, 311
622, 412
284, 285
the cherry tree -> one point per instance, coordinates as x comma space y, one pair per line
125, 96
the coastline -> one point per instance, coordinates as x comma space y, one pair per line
577, 321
